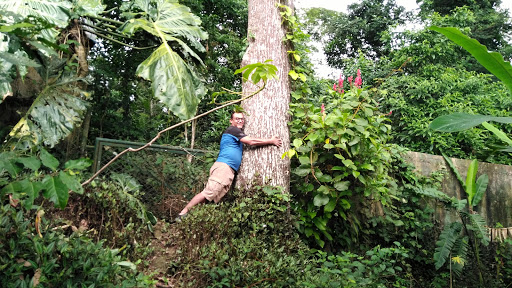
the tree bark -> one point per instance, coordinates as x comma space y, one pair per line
267, 112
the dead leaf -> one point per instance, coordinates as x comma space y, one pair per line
35, 279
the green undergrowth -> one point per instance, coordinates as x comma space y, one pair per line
252, 241
57, 258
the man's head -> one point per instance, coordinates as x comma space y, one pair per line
237, 120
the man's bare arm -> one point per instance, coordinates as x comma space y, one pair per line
260, 142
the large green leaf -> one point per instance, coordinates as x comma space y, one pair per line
173, 82
88, 7
71, 182
492, 61
56, 191
462, 121
31, 189
11, 188
169, 21
49, 160
479, 226
500, 134
9, 166
320, 200
78, 164
5, 67
52, 118
52, 11
454, 170
30, 162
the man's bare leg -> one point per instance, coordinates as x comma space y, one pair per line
199, 198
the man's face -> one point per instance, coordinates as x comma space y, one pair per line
238, 120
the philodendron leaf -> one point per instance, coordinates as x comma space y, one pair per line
53, 116
461, 121
481, 187
169, 20
5, 67
492, 61
173, 82
55, 12
89, 7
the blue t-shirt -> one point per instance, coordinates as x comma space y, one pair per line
231, 147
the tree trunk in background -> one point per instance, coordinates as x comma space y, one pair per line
267, 112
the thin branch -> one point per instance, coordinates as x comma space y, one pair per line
106, 31
168, 129
119, 42
105, 19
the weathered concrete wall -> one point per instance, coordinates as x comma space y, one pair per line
496, 205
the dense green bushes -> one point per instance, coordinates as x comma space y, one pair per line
250, 240
417, 100
58, 259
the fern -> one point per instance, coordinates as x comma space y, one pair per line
460, 252
445, 243
478, 225
435, 194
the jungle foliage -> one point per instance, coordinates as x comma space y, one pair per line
357, 215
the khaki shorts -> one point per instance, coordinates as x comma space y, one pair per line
221, 177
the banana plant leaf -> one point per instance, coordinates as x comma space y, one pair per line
492, 61
471, 181
481, 186
500, 134
462, 121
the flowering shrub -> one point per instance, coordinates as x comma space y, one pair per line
342, 159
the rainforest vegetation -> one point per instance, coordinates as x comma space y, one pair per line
147, 87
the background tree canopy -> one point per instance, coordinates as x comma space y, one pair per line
356, 215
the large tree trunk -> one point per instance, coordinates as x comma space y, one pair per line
267, 112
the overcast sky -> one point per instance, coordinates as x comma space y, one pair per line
318, 59
341, 5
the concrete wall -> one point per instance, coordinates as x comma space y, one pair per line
496, 205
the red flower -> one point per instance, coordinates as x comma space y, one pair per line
340, 82
359, 81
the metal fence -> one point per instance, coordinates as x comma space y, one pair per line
166, 176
